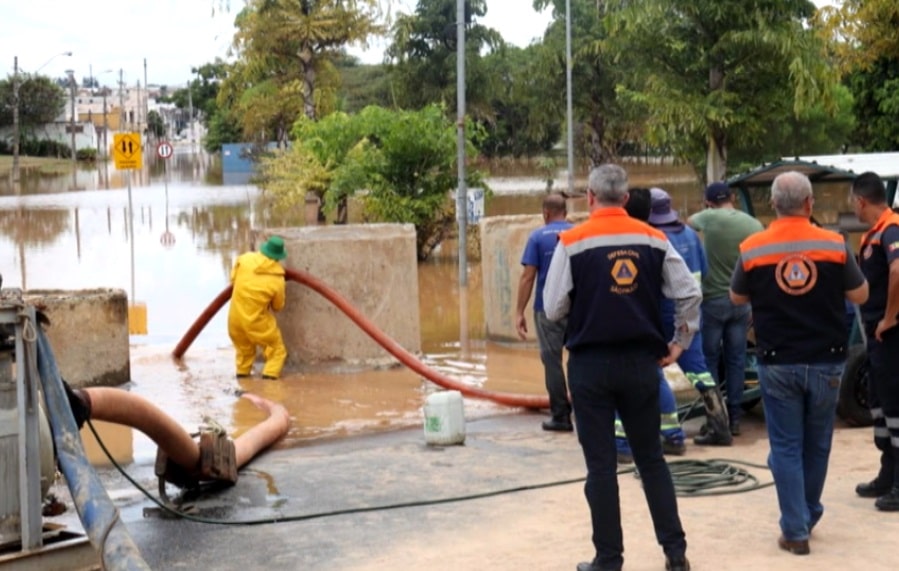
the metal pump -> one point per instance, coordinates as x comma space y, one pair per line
27, 462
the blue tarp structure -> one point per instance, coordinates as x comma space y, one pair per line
237, 162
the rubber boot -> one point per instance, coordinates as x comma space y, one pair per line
717, 421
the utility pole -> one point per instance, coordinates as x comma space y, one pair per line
462, 189
568, 97
15, 119
71, 73
146, 106
190, 107
121, 102
137, 109
105, 127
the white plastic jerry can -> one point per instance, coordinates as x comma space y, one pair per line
444, 418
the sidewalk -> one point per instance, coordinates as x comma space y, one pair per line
544, 529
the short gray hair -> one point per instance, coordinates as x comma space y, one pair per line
608, 183
788, 191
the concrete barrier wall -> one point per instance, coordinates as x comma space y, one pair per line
503, 239
375, 268
88, 334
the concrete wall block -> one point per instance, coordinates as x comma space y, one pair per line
375, 268
503, 239
88, 334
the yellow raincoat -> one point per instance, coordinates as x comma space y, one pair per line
258, 290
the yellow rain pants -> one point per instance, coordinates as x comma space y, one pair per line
258, 290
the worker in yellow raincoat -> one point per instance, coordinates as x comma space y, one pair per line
258, 290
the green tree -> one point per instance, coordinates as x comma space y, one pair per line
866, 31
815, 131
155, 124
406, 160
290, 42
423, 56
867, 51
712, 74
526, 106
40, 102
601, 125
362, 85
201, 91
876, 91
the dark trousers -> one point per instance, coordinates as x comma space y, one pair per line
601, 382
551, 338
883, 399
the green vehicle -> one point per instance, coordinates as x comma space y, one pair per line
835, 171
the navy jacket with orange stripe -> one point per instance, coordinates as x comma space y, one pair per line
613, 282
878, 249
795, 276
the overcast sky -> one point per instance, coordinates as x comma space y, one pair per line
172, 35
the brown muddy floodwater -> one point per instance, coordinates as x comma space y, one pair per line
72, 232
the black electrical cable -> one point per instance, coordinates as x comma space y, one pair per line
691, 478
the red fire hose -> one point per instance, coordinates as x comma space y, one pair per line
404, 356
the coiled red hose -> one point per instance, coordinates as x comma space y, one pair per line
404, 356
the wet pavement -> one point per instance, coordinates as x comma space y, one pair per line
519, 506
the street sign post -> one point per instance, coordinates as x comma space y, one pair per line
126, 151
164, 150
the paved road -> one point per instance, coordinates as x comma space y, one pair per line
539, 529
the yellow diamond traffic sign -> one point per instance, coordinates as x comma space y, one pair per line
126, 151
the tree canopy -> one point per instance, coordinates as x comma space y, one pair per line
41, 101
709, 74
404, 160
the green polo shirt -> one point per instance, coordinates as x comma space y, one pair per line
723, 229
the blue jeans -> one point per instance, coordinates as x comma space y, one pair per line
800, 404
724, 328
551, 339
601, 382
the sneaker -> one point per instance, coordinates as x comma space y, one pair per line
735, 428
872, 489
625, 458
677, 564
888, 502
242, 375
269, 378
671, 448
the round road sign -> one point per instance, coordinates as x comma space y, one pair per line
167, 239
164, 150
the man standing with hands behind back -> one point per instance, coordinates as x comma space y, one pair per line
609, 275
550, 335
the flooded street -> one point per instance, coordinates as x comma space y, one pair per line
186, 235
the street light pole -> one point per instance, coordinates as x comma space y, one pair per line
15, 119
568, 113
15, 111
